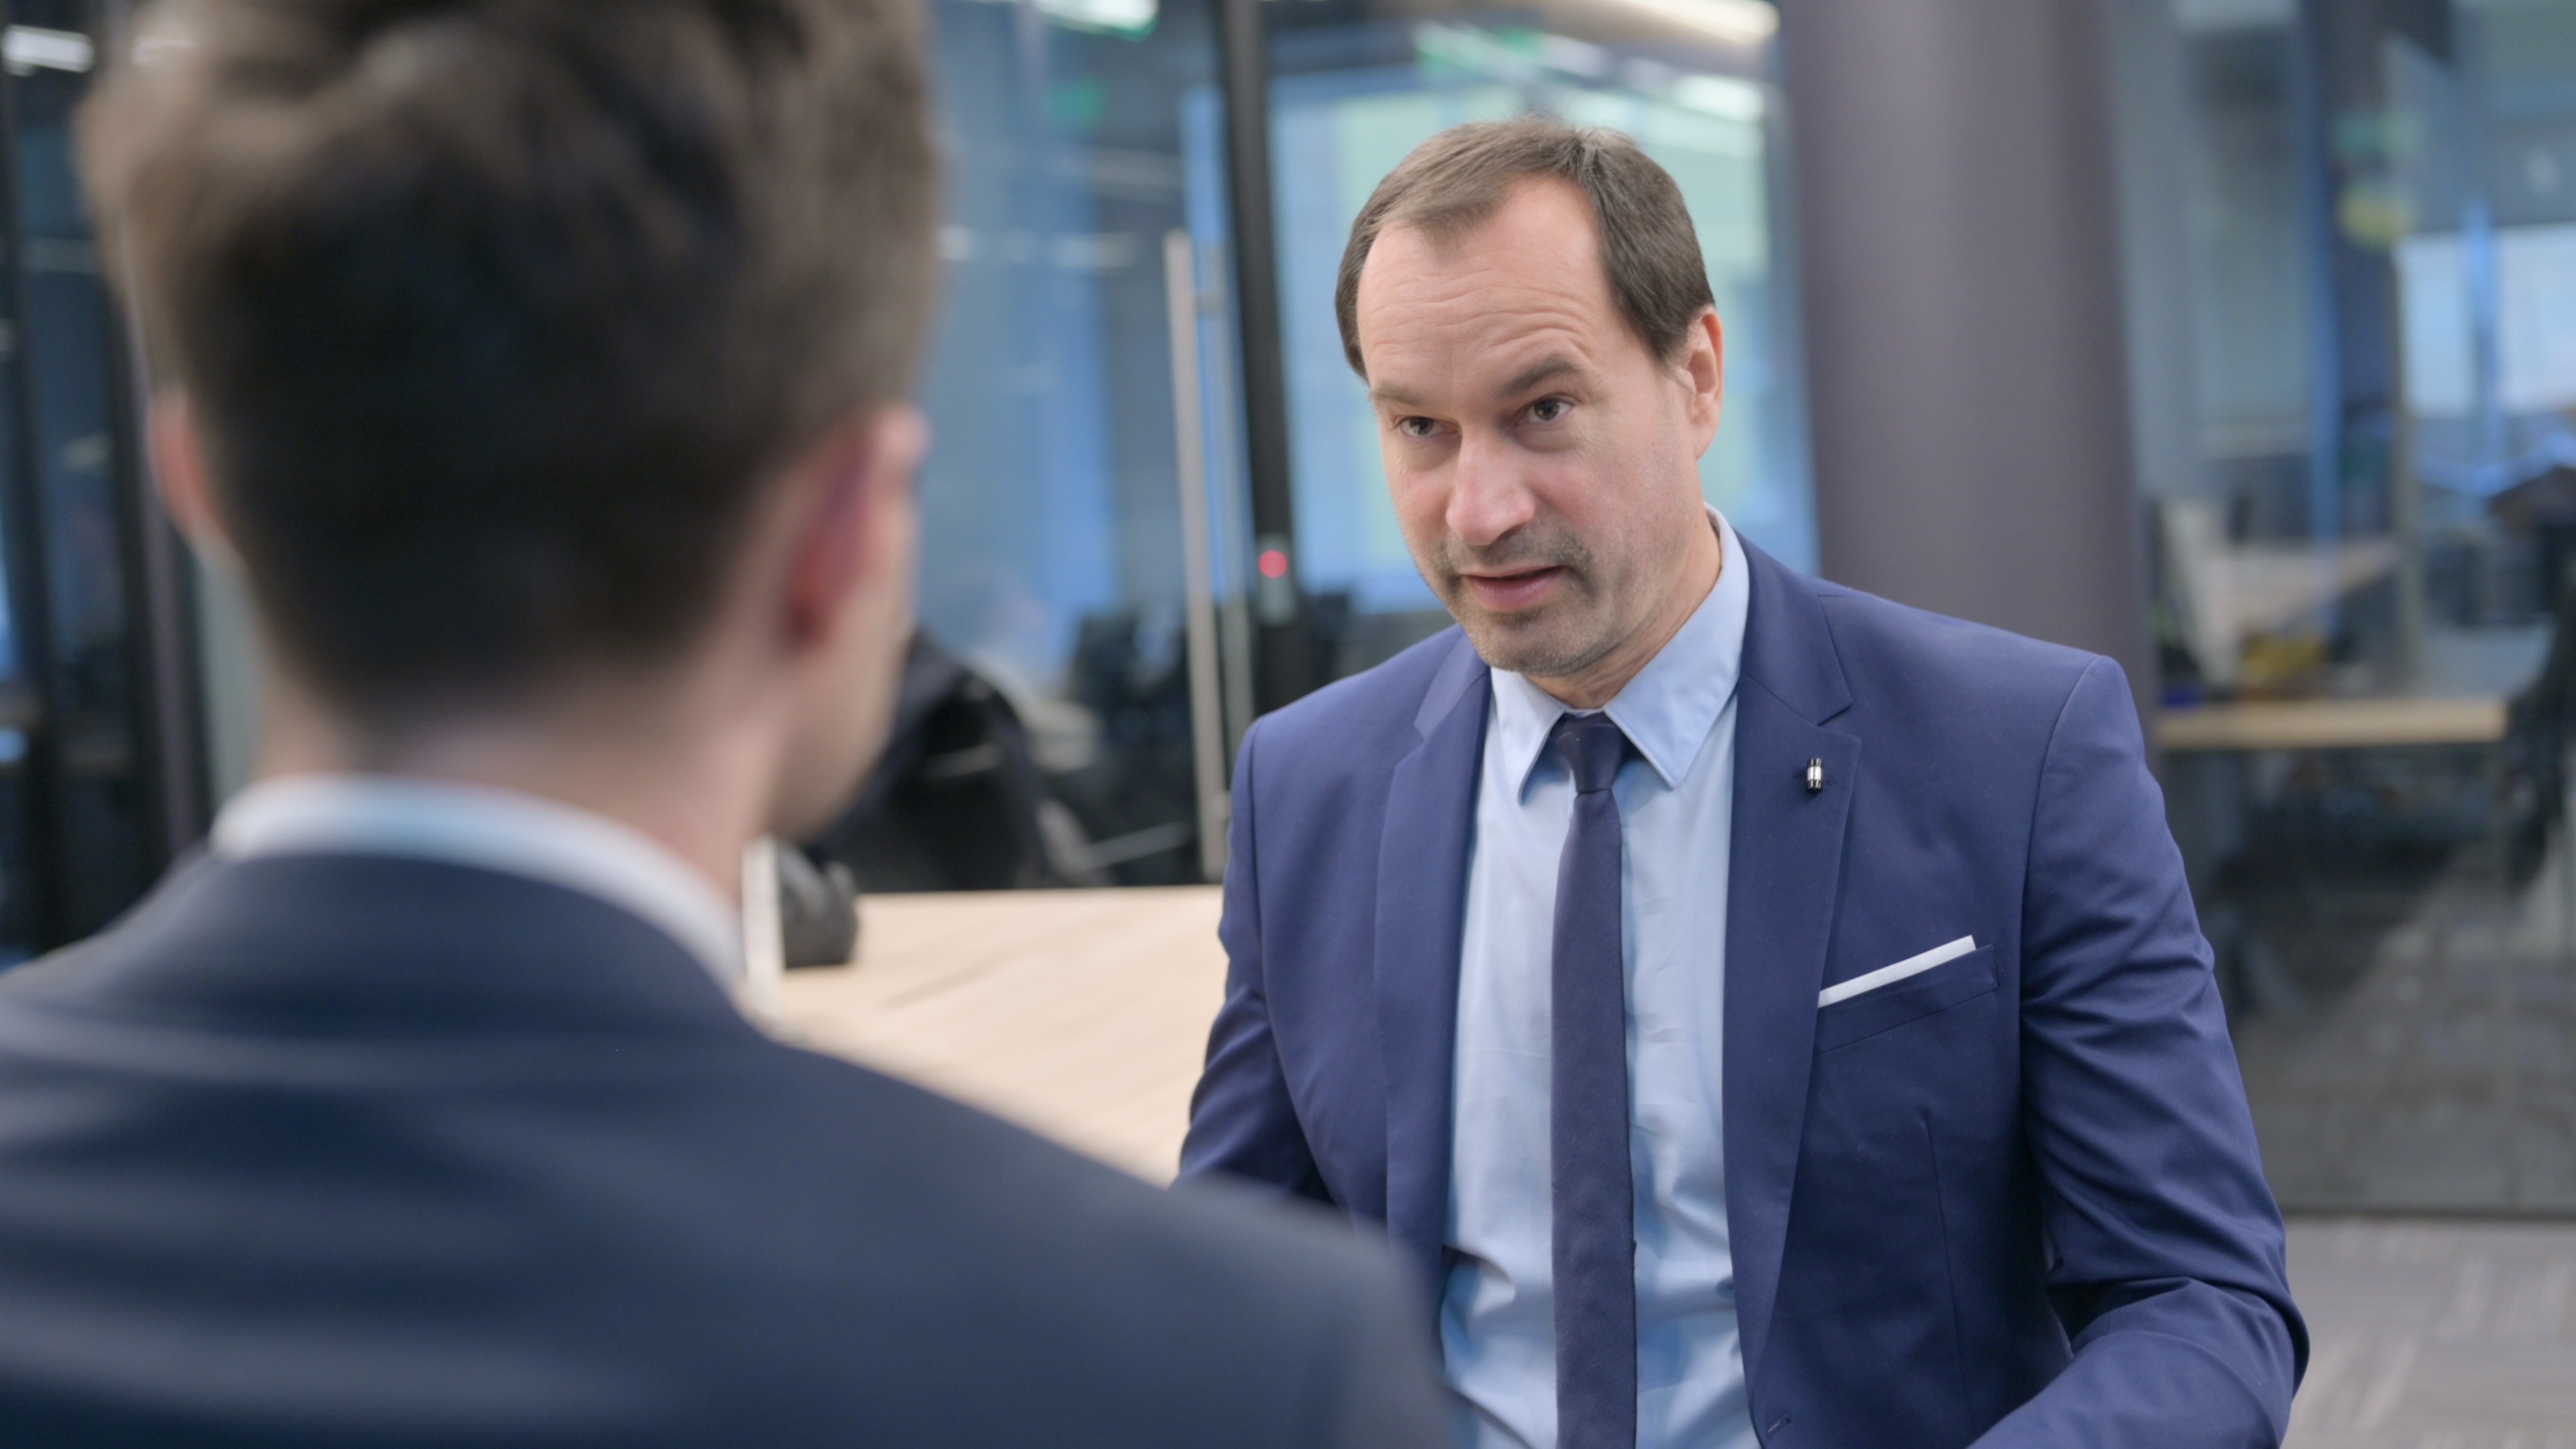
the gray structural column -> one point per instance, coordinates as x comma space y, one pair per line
1959, 260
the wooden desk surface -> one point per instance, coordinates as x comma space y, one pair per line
1082, 1015
2330, 724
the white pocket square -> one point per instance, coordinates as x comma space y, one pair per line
1889, 975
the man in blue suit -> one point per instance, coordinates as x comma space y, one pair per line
543, 364
1763, 1014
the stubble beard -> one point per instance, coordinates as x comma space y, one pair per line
1556, 640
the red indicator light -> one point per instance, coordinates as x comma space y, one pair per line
1273, 563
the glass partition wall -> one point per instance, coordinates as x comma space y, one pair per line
1089, 548
98, 753
1078, 389
2364, 604
1090, 555
2360, 484
1081, 395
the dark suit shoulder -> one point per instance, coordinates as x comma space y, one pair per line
49, 975
522, 1175
64, 971
335, 946
962, 1165
1913, 659
1195, 1315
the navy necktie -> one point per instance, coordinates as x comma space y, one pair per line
1595, 1245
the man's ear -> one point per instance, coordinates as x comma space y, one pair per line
179, 471
850, 483
1703, 372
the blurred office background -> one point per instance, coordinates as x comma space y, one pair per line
2233, 338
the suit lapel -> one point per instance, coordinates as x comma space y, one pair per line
1784, 869
1421, 921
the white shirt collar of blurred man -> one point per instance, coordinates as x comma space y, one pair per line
487, 829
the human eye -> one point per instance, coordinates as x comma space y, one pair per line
1549, 409
1416, 427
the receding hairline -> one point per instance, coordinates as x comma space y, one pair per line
1450, 236
1454, 183
1450, 227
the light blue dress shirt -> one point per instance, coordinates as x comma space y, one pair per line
1676, 806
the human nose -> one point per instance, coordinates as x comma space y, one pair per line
1489, 498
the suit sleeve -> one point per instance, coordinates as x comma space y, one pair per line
1242, 1121
1375, 1384
2167, 1264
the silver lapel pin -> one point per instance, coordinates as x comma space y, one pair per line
1815, 776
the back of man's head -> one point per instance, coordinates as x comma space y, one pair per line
495, 315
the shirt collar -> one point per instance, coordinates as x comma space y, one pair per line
499, 830
1668, 710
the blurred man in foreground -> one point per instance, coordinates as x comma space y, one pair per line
542, 363
1766, 1014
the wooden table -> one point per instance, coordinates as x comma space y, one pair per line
1081, 1015
2329, 724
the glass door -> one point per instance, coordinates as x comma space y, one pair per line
2368, 628
96, 777
1079, 396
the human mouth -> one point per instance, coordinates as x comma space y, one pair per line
1506, 593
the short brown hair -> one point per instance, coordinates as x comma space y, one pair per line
497, 314
1458, 179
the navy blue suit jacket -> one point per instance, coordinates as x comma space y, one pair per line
2015, 1196
337, 1150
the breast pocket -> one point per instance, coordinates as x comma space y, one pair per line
1953, 982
